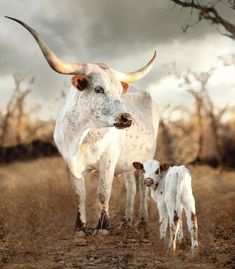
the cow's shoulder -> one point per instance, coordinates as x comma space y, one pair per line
138, 100
94, 135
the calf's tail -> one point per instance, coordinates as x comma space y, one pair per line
180, 182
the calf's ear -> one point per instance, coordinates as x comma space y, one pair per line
138, 165
80, 82
164, 166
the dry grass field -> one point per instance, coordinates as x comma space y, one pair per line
37, 215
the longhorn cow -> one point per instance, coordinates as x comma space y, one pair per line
99, 127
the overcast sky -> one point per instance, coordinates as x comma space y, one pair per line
122, 34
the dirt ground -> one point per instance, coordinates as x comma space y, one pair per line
38, 210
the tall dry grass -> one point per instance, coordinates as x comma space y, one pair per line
38, 206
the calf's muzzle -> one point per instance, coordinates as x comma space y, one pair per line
148, 182
123, 120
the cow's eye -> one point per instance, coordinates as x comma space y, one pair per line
99, 89
143, 171
157, 172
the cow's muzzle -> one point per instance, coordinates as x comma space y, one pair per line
123, 120
148, 182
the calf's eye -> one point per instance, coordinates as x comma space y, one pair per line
157, 172
99, 89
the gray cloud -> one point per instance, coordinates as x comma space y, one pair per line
121, 33
104, 28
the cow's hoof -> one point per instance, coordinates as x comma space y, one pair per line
171, 251
102, 232
89, 231
79, 234
195, 253
164, 242
142, 224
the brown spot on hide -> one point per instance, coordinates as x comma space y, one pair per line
182, 244
103, 223
176, 218
194, 220
193, 217
101, 198
79, 225
80, 82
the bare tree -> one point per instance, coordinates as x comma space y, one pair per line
20, 102
207, 12
204, 107
166, 135
15, 108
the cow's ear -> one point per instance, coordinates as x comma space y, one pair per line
80, 82
138, 165
125, 87
165, 166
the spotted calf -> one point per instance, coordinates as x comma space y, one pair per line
171, 189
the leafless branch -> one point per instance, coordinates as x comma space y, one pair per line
232, 3
209, 13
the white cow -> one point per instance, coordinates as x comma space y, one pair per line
171, 189
91, 130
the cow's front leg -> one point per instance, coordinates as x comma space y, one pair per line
104, 192
80, 191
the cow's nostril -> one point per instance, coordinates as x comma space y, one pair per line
125, 117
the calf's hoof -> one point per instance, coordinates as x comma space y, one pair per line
195, 253
102, 231
141, 224
125, 224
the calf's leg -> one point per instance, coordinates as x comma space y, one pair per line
163, 218
192, 223
130, 184
144, 195
174, 224
180, 235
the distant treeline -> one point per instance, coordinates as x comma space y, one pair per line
27, 151
39, 148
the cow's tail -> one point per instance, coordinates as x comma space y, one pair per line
180, 182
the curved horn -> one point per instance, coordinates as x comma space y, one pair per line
134, 76
54, 62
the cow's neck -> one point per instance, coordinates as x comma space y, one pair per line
78, 132
160, 186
